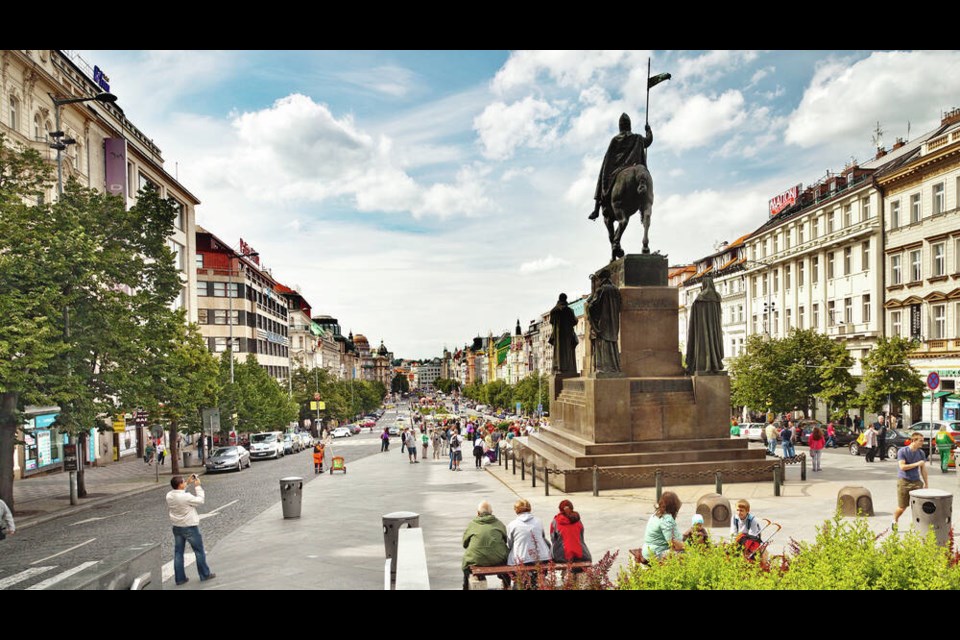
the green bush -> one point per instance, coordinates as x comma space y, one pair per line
845, 555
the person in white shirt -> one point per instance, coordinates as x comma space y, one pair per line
7, 525
186, 526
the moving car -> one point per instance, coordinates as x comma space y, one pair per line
341, 432
266, 445
752, 431
228, 458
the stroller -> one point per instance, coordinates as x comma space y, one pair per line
753, 545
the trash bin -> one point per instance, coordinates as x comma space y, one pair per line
291, 494
188, 458
392, 523
932, 508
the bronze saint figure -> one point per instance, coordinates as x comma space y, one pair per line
704, 334
624, 185
564, 337
603, 307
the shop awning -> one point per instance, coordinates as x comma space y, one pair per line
940, 394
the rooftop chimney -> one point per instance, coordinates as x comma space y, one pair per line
899, 143
880, 153
951, 116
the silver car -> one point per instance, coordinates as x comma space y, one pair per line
228, 458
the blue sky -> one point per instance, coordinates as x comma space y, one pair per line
426, 197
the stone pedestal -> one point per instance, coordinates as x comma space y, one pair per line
650, 416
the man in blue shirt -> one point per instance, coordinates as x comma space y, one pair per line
912, 474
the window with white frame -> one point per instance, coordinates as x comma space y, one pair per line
201, 288
847, 215
764, 284
753, 281
800, 233
776, 281
916, 266
739, 313
896, 323
830, 221
800, 319
894, 214
847, 260
831, 313
915, 208
939, 199
815, 228
14, 113
177, 250
865, 256
938, 253
865, 209
896, 273
865, 314
786, 277
786, 238
198, 260
938, 321
776, 321
181, 213
143, 182
38, 133
789, 319
848, 310
220, 344
219, 289
831, 264
800, 270
814, 269
815, 316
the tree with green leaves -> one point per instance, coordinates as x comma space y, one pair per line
30, 338
888, 376
783, 374
400, 384
446, 385
838, 387
255, 401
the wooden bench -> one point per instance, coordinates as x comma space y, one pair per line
513, 569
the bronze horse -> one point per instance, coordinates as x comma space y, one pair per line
632, 191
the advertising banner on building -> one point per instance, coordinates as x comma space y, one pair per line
115, 165
780, 202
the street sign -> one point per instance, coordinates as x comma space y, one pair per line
933, 380
140, 418
119, 423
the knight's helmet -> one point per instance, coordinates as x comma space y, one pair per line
624, 123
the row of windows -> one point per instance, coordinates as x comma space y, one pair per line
914, 205
812, 228
248, 345
938, 322
239, 317
913, 267
839, 263
838, 312
236, 290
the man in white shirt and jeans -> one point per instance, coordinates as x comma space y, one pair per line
186, 526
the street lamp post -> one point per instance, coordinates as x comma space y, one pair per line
60, 144
61, 141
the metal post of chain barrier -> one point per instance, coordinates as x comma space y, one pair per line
596, 481
533, 472
719, 481
776, 480
523, 468
513, 457
803, 467
546, 481
659, 476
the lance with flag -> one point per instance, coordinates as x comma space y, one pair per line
652, 82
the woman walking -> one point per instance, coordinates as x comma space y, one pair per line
817, 443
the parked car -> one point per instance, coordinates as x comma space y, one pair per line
266, 445
289, 446
354, 429
306, 439
341, 432
227, 458
752, 431
896, 440
929, 429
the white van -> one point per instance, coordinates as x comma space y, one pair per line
480, 408
268, 444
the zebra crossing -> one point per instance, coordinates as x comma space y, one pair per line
27, 579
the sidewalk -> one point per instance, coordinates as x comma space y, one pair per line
337, 543
43, 498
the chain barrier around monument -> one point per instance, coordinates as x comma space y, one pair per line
777, 468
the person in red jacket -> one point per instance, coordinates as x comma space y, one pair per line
566, 536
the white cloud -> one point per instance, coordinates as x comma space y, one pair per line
503, 128
700, 119
517, 172
844, 101
760, 74
687, 225
543, 264
571, 69
298, 150
391, 80
712, 64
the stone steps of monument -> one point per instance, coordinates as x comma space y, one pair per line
576, 445
666, 458
671, 475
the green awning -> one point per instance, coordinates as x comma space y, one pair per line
940, 394
954, 398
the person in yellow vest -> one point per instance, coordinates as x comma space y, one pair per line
945, 443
